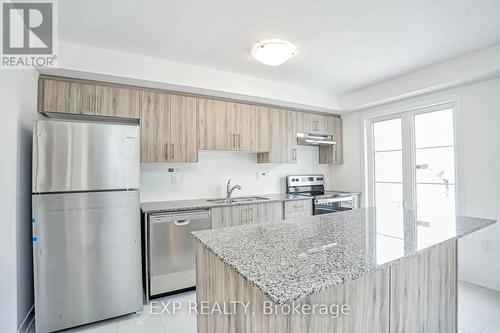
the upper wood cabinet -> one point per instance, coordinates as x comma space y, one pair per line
226, 125
87, 98
312, 123
282, 137
175, 126
168, 128
117, 102
66, 97
332, 154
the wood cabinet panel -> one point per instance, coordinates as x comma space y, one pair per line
230, 216
297, 208
332, 154
115, 101
80, 97
312, 123
68, 97
155, 126
282, 137
183, 129
262, 129
423, 291
213, 125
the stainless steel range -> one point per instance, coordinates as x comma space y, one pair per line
324, 201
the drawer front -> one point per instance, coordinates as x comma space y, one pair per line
297, 209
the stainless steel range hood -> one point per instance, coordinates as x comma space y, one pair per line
308, 139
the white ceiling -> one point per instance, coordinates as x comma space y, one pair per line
343, 44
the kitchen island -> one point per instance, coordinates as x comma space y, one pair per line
364, 270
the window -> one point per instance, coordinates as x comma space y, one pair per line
410, 163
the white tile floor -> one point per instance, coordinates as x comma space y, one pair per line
479, 312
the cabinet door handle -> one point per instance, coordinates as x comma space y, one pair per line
173, 152
166, 153
244, 215
232, 141
239, 141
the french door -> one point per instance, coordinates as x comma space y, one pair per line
410, 162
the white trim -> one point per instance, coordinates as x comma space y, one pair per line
28, 321
407, 113
479, 284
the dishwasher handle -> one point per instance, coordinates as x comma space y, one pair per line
182, 222
180, 218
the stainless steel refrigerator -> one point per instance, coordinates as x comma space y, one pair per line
86, 222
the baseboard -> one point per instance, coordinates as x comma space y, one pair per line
480, 284
28, 321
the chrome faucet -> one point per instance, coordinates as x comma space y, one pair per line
229, 189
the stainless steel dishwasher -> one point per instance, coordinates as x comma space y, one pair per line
172, 257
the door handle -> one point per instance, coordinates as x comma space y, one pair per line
239, 141
173, 152
166, 153
182, 222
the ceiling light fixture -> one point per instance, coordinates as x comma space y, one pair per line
273, 52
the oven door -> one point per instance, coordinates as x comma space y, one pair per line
333, 205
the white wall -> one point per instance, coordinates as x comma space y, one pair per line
207, 179
18, 91
480, 144
465, 69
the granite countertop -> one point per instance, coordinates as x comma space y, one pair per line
176, 205
290, 260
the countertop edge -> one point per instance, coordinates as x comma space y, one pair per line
209, 205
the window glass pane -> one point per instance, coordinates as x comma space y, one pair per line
389, 166
434, 199
389, 220
434, 129
388, 196
435, 165
387, 134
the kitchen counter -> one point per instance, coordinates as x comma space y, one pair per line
176, 205
392, 272
287, 261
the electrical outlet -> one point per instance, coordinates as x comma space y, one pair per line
262, 174
487, 245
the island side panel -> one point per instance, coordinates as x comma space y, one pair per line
424, 291
368, 298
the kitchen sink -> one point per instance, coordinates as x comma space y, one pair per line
237, 199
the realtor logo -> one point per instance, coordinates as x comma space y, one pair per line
28, 34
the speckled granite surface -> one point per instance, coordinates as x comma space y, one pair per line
175, 205
290, 260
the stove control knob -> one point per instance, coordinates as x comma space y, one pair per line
319, 178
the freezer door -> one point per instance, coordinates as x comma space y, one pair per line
87, 257
84, 156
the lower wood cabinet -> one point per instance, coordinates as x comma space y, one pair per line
230, 216
297, 208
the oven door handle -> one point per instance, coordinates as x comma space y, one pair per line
330, 200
